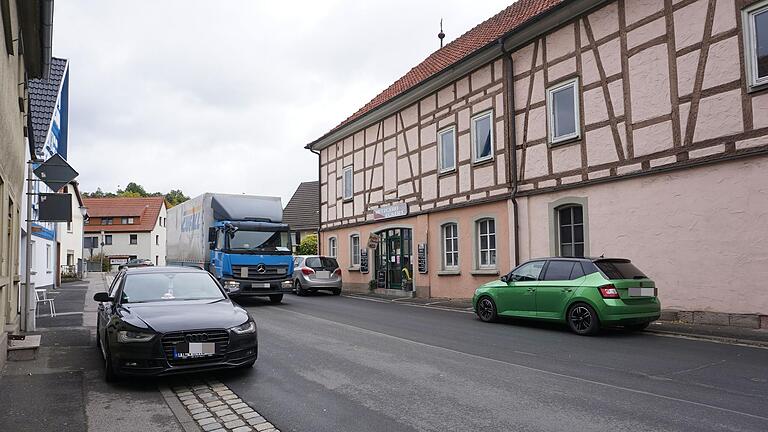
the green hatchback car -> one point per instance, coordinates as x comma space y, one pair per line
585, 293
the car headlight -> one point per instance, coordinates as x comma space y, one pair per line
246, 328
287, 284
127, 336
231, 286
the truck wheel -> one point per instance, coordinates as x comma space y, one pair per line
275, 298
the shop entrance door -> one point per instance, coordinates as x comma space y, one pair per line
393, 258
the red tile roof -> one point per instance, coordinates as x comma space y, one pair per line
514, 16
146, 210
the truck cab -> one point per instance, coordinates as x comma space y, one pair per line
251, 258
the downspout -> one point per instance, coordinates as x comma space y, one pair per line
47, 36
319, 203
511, 144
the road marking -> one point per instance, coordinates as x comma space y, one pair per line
211, 405
542, 371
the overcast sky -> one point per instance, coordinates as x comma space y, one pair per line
222, 96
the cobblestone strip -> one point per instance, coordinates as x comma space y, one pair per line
216, 408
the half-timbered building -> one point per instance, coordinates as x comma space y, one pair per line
628, 128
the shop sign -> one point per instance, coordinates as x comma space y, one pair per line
373, 241
363, 260
118, 261
391, 211
422, 257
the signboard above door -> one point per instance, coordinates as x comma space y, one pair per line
390, 211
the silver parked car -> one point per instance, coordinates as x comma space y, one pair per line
312, 273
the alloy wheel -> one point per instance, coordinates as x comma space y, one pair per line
581, 318
486, 310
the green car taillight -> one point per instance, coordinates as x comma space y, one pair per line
608, 291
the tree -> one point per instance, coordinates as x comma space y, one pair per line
175, 197
308, 245
134, 190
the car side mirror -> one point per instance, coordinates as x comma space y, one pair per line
504, 278
211, 235
102, 297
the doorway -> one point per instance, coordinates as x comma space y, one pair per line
393, 258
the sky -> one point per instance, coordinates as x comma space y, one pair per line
223, 96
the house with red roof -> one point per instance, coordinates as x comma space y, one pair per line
634, 129
126, 228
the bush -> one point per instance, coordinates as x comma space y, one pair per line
105, 267
308, 245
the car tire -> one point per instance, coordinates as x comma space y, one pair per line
486, 310
637, 327
300, 291
109, 372
336, 291
275, 298
583, 320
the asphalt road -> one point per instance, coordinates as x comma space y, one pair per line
344, 364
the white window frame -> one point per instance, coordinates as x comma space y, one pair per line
348, 170
574, 83
750, 48
480, 250
440, 134
473, 135
354, 250
48, 258
332, 247
446, 249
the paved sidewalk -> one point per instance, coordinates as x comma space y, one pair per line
63, 388
726, 334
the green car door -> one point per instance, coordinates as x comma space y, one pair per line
518, 298
558, 283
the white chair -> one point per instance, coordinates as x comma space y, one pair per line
41, 296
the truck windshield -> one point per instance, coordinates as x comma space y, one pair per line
261, 241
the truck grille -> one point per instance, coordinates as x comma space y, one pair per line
269, 272
219, 337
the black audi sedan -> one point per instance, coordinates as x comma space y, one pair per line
165, 320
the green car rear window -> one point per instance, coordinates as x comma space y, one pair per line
620, 270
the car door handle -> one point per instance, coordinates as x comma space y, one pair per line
567, 289
531, 289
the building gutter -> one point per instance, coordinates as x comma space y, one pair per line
512, 40
319, 203
511, 144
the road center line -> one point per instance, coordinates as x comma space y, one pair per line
533, 369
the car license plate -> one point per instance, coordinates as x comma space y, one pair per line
260, 285
323, 274
642, 292
193, 349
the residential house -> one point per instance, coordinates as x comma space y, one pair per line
126, 228
626, 128
48, 109
70, 234
27, 24
302, 211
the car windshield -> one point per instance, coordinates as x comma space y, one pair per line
156, 287
620, 269
260, 241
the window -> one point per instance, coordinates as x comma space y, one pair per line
108, 239
756, 43
157, 240
529, 271
48, 258
126, 221
560, 270
486, 243
563, 111
482, 136
157, 260
447, 150
354, 250
347, 183
106, 221
570, 231
332, 247
69, 226
134, 239
450, 246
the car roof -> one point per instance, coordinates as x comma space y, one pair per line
313, 256
169, 269
589, 259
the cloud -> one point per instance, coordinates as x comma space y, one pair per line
223, 96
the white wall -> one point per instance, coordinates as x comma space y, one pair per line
146, 246
157, 239
71, 238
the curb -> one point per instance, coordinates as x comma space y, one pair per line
181, 414
711, 338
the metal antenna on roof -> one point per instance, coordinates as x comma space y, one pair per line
441, 35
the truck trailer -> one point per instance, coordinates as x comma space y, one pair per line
240, 239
